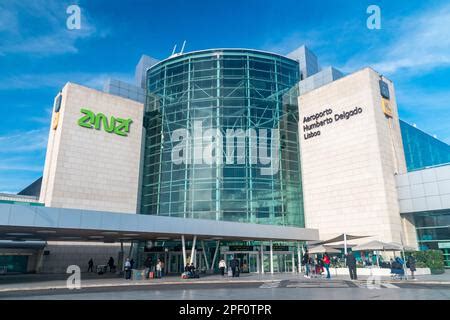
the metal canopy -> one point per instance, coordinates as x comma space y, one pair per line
376, 245
27, 223
323, 249
342, 238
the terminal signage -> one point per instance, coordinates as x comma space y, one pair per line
313, 124
97, 121
241, 248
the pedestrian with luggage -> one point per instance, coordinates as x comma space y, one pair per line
148, 266
222, 266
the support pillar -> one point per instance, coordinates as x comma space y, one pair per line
215, 255
271, 256
293, 262
183, 245
299, 256
345, 244
262, 259
39, 260
193, 250
204, 254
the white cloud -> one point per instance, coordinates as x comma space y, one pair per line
428, 109
39, 27
419, 44
59, 79
24, 142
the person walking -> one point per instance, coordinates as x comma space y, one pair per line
127, 269
234, 264
111, 264
162, 265
91, 265
411, 264
326, 263
158, 269
148, 267
222, 267
351, 264
305, 262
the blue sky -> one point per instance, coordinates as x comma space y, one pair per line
38, 54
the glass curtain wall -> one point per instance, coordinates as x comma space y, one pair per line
245, 100
421, 149
433, 232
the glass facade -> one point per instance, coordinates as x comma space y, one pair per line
433, 231
222, 138
421, 149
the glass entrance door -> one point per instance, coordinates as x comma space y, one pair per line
282, 262
175, 262
248, 261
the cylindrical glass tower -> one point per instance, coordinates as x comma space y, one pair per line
222, 138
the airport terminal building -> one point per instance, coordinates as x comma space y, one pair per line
226, 153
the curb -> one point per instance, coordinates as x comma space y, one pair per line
128, 284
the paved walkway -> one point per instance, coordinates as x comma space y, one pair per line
9, 283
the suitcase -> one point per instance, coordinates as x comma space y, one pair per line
151, 275
230, 273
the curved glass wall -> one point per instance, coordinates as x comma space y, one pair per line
222, 138
421, 149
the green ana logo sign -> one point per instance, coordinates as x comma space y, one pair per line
91, 120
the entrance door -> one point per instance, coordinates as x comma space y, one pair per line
248, 261
176, 262
282, 262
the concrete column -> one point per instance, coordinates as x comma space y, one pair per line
299, 256
262, 259
345, 243
193, 250
204, 254
271, 256
258, 263
39, 260
183, 245
293, 262
215, 255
